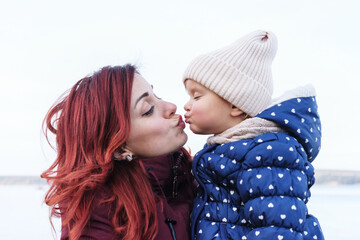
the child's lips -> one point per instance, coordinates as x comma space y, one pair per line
187, 119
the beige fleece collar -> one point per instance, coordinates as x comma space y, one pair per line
249, 128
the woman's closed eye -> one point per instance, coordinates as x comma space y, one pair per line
149, 112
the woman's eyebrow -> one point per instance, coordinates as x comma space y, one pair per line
146, 94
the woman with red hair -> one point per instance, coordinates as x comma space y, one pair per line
120, 170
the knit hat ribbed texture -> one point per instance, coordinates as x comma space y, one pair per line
240, 72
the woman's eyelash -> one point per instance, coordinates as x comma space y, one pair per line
157, 97
151, 110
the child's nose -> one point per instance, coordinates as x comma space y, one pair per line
187, 106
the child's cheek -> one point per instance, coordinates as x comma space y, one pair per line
198, 110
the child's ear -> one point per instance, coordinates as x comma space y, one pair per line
236, 112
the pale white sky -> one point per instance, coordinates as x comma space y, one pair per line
46, 46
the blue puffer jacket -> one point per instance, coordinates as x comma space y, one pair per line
258, 188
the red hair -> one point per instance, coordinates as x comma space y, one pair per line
90, 123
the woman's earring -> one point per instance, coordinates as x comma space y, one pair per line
129, 157
123, 154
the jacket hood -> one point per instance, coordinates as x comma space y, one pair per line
296, 112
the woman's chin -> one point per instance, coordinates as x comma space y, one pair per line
185, 136
182, 141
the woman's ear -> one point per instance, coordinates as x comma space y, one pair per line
236, 112
123, 154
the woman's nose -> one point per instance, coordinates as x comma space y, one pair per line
170, 109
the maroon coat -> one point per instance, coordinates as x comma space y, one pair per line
170, 208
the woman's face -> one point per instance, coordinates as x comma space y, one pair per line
156, 129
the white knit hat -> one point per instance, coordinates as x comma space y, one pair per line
240, 73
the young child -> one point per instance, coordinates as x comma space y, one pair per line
255, 172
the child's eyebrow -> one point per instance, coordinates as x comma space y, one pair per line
192, 88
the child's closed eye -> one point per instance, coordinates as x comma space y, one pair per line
196, 96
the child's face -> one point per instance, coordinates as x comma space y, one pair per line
206, 112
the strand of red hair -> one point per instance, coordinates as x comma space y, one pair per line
90, 124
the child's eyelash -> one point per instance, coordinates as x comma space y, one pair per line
151, 110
